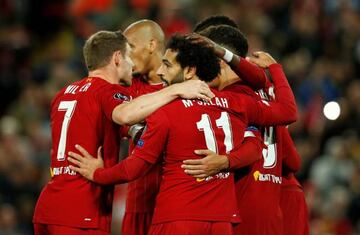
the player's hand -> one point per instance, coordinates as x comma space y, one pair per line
216, 48
210, 165
193, 89
262, 59
85, 164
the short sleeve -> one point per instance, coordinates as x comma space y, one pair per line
111, 96
151, 144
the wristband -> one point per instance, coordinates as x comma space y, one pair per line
228, 56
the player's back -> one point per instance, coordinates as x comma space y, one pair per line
80, 114
258, 189
258, 186
194, 124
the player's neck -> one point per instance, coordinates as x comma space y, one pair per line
105, 75
152, 77
228, 77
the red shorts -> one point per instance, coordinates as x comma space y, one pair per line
295, 213
192, 228
136, 223
50, 229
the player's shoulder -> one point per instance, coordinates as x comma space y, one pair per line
104, 87
68, 89
240, 88
234, 96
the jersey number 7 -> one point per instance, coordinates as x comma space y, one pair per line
68, 107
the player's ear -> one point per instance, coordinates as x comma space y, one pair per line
189, 72
117, 57
152, 46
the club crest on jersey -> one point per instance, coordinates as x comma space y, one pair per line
120, 96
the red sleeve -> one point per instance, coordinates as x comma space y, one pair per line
283, 111
127, 170
147, 151
249, 152
110, 97
152, 142
291, 158
251, 74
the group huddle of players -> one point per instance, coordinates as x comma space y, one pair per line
209, 152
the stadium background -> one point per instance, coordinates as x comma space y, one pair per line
317, 41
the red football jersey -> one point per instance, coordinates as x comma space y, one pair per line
292, 201
218, 126
291, 163
182, 197
290, 182
209, 125
141, 193
258, 186
258, 189
81, 113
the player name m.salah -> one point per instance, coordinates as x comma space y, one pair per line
217, 101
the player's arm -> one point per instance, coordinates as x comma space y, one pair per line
139, 108
251, 74
283, 110
249, 152
291, 158
92, 168
133, 167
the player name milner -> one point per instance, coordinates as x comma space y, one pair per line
218, 101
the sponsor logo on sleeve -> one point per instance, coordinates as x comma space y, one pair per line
120, 96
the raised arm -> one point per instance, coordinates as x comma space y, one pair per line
282, 110
250, 73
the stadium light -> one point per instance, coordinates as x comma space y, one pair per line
332, 110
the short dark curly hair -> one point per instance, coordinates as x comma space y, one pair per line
195, 55
228, 37
213, 21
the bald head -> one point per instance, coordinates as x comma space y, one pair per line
146, 40
146, 31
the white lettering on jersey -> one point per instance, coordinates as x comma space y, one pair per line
258, 176
216, 101
72, 89
187, 103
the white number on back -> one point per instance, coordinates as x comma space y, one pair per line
269, 154
224, 123
68, 107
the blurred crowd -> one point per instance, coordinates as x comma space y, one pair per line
317, 41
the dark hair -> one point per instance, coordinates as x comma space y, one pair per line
195, 55
213, 21
228, 37
100, 47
